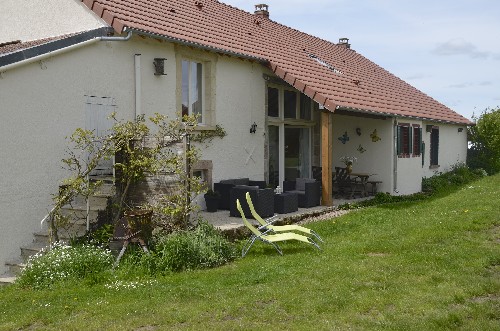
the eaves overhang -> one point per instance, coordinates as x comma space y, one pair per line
387, 114
197, 45
34, 51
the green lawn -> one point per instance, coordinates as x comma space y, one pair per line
431, 265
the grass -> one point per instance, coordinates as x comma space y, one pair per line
423, 265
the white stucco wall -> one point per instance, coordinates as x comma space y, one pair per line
452, 147
28, 20
452, 150
240, 94
43, 102
377, 159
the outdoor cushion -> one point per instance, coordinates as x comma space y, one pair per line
300, 183
236, 181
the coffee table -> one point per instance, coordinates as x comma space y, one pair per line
286, 202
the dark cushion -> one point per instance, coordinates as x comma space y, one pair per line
236, 181
300, 183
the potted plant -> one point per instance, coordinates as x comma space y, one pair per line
212, 200
348, 161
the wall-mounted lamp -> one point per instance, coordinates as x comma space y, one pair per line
460, 129
428, 128
159, 64
253, 127
358, 131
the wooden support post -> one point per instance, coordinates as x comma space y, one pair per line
326, 157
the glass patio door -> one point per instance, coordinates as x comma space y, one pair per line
297, 153
290, 156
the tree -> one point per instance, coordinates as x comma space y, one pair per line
484, 138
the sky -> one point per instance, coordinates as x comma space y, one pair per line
448, 49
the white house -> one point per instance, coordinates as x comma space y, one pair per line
310, 101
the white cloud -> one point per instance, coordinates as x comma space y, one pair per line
459, 47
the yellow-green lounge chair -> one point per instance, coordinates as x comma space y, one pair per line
269, 238
265, 224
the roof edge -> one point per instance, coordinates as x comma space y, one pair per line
51, 46
372, 112
304, 88
197, 45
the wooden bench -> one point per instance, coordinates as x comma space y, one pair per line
374, 185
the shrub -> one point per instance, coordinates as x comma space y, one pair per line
484, 138
62, 262
202, 247
459, 175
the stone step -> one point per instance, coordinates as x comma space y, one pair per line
15, 266
43, 237
30, 250
7, 279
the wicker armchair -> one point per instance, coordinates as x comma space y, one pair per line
224, 188
308, 191
263, 201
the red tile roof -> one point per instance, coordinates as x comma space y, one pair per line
331, 74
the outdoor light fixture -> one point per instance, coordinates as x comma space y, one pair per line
460, 129
253, 127
159, 64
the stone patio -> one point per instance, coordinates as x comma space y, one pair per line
224, 222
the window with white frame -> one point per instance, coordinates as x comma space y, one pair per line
192, 89
409, 140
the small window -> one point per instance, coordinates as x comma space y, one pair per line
434, 150
273, 102
403, 140
192, 89
305, 107
290, 104
417, 140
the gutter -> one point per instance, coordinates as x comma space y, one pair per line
371, 112
44, 51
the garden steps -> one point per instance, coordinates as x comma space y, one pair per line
77, 214
15, 266
7, 279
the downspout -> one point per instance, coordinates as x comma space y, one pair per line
395, 157
137, 73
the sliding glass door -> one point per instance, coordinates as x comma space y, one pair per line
289, 158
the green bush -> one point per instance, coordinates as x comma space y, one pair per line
62, 262
459, 175
202, 247
484, 138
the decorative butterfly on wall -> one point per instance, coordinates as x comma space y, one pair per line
374, 136
361, 149
344, 138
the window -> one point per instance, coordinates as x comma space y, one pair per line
273, 102
417, 140
305, 107
409, 140
290, 104
434, 146
192, 89
403, 139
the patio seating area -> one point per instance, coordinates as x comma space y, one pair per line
223, 221
300, 198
